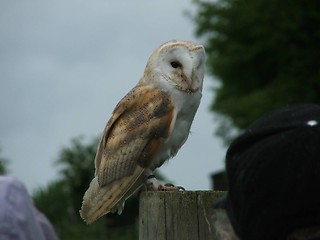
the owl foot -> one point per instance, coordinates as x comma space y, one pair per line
154, 185
171, 187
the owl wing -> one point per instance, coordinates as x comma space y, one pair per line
141, 121
139, 124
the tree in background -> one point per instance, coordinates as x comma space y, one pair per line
265, 54
3, 165
77, 170
61, 200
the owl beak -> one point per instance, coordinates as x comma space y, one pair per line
188, 82
192, 87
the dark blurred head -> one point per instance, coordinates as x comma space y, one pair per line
274, 174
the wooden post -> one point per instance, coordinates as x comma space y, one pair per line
177, 215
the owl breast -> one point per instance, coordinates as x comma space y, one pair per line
186, 105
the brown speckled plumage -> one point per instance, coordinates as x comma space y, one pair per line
134, 133
147, 127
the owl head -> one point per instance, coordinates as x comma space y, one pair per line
179, 63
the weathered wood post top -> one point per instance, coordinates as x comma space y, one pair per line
177, 215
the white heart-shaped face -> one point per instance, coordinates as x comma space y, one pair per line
180, 63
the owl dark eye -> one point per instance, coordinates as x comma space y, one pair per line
175, 64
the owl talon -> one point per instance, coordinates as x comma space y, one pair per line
182, 189
154, 185
170, 187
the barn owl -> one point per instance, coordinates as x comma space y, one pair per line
147, 127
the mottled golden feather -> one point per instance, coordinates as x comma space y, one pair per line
144, 116
132, 136
98, 201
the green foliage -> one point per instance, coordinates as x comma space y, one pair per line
52, 199
3, 165
265, 54
77, 169
61, 200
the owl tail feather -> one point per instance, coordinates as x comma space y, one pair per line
98, 201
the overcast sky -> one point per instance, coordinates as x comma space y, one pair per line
65, 64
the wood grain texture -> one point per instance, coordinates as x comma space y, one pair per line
177, 215
181, 215
152, 226
205, 213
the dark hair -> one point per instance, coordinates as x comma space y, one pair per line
274, 174
309, 233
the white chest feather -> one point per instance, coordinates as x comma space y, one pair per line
186, 105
